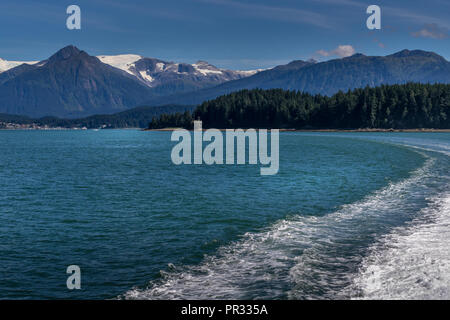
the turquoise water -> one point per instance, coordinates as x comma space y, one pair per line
350, 215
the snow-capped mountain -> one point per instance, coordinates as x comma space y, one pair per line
330, 77
6, 65
72, 83
154, 72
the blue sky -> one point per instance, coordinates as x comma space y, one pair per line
236, 34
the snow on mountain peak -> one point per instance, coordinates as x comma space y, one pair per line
6, 65
121, 61
153, 72
205, 68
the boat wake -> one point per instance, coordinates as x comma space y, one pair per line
412, 262
391, 244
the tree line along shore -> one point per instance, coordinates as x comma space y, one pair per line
405, 107
410, 106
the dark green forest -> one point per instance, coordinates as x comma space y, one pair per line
405, 106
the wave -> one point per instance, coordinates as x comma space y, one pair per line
322, 257
412, 261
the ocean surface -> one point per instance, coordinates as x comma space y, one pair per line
348, 216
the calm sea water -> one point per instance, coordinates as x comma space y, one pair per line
348, 216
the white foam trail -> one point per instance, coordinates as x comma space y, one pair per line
330, 275
319, 257
412, 262
293, 253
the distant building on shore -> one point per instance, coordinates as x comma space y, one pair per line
197, 125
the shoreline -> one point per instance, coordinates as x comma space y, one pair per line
281, 130
330, 130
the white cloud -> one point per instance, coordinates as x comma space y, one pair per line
431, 31
341, 51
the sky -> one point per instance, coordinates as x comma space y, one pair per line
234, 34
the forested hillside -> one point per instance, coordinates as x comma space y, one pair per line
405, 106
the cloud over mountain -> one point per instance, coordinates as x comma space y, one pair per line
431, 31
341, 51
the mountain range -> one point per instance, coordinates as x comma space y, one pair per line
71, 83
329, 77
162, 74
